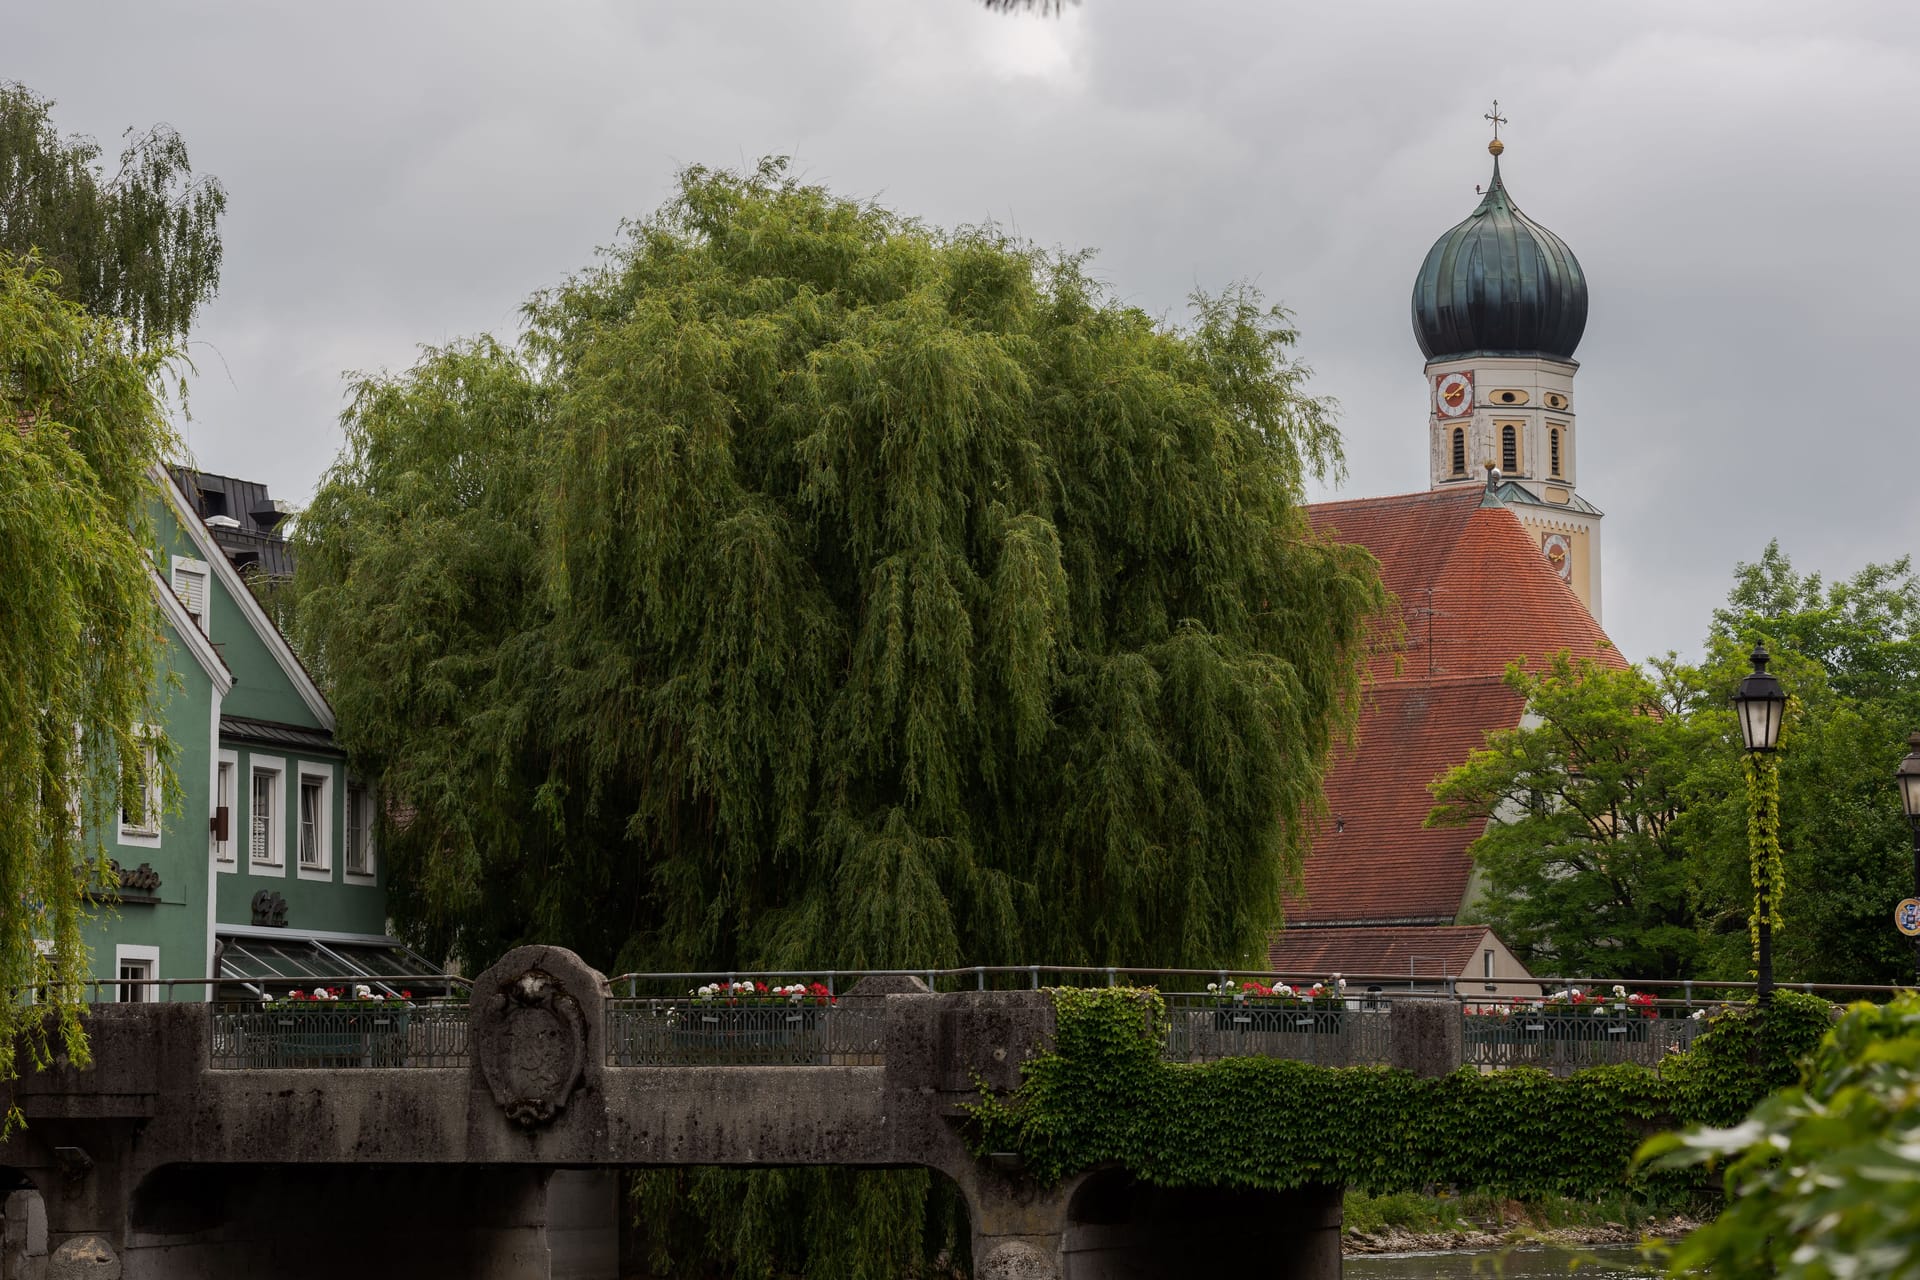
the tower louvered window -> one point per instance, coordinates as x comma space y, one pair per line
1553, 442
1459, 451
1509, 450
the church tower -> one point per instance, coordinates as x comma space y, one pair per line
1498, 309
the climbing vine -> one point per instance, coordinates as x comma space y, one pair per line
1763, 845
1105, 1096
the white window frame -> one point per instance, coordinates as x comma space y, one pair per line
126, 953
275, 864
229, 860
306, 771
42, 950
201, 569
146, 835
369, 825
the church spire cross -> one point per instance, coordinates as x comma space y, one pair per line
1496, 146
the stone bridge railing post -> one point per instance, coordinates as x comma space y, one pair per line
1426, 1037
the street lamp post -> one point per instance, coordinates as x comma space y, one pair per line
1908, 775
1761, 704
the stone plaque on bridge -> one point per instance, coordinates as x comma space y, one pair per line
533, 1020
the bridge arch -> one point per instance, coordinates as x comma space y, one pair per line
23, 1224
1116, 1223
322, 1221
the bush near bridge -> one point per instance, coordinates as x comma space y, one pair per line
1105, 1096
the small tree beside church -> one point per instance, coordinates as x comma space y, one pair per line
1586, 870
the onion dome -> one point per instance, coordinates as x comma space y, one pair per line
1499, 284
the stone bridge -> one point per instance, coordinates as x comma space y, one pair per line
499, 1156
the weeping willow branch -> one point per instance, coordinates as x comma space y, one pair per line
80, 430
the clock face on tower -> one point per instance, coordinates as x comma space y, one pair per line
1559, 552
1453, 395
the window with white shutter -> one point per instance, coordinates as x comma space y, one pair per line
190, 585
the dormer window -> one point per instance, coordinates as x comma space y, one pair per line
1459, 451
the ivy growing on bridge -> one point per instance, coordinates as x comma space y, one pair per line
1105, 1096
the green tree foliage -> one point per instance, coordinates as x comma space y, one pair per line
1822, 1180
814, 587
143, 244
1585, 866
80, 430
1619, 840
1849, 654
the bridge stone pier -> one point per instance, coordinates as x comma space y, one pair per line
160, 1162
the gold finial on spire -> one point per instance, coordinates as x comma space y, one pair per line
1496, 146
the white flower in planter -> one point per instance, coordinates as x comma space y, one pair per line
1619, 993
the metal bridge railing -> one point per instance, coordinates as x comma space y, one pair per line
654, 1021
1564, 1038
1347, 1033
317, 1037
849, 1032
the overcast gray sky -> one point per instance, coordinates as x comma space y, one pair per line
1741, 182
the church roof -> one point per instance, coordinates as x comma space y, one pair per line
1475, 593
1474, 590
1499, 283
1433, 952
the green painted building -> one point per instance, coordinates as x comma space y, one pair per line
266, 872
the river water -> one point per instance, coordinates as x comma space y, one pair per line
1516, 1264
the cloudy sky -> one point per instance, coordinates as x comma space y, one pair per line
1738, 179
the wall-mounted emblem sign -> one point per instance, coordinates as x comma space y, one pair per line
269, 908
1906, 917
532, 1022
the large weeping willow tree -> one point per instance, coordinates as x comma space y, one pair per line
814, 587
80, 429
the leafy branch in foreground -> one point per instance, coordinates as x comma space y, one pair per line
1822, 1180
80, 431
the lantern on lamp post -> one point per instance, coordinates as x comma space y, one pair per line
1908, 775
1761, 705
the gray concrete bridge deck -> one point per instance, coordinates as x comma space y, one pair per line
504, 1165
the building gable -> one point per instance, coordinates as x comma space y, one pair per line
269, 681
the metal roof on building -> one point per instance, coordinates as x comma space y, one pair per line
1514, 491
1499, 283
280, 735
243, 519
297, 961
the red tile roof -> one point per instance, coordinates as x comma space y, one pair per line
1438, 952
1475, 593
1474, 590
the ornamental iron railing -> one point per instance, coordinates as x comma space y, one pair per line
1564, 1038
1339, 1033
847, 1032
652, 1020
316, 1037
